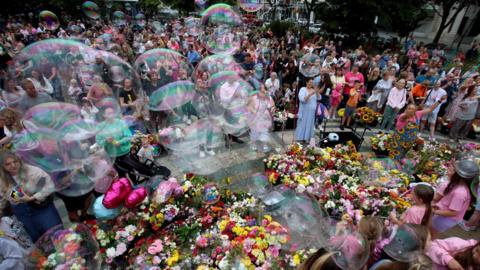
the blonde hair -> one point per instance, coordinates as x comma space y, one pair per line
14, 116
6, 180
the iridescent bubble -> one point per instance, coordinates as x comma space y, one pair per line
140, 20
159, 67
117, 74
223, 40
91, 9
406, 243
350, 251
128, 6
201, 3
119, 18
172, 95
49, 20
250, 5
67, 246
193, 26
75, 29
221, 14
310, 65
215, 63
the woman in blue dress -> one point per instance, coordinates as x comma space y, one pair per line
306, 113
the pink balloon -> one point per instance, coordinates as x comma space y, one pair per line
117, 192
136, 197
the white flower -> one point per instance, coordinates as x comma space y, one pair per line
300, 188
110, 252
330, 204
130, 229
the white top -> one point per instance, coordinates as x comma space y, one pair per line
272, 87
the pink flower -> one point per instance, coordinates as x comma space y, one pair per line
156, 247
274, 251
156, 260
121, 248
202, 242
130, 238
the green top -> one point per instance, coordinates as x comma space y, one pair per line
121, 135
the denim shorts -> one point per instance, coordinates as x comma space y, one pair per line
349, 111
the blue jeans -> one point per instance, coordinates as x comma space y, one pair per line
37, 220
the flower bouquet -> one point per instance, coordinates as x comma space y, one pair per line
366, 116
65, 248
283, 120
432, 162
380, 144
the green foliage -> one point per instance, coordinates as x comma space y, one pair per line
404, 16
280, 28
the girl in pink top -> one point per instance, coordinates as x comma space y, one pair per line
420, 212
335, 99
454, 253
453, 198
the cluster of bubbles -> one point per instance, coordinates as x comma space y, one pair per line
251, 5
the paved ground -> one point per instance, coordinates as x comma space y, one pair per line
239, 162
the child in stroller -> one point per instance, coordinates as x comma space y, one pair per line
140, 164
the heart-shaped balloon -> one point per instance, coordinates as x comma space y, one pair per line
117, 192
101, 212
136, 197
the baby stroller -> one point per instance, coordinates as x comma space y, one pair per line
129, 165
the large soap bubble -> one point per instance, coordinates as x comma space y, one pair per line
310, 65
140, 20
159, 67
250, 5
172, 95
66, 247
119, 18
91, 10
193, 26
301, 215
406, 243
221, 14
350, 251
49, 20
223, 40
214, 64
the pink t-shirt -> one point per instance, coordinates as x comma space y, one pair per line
401, 124
457, 200
414, 214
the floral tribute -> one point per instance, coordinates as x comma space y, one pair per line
199, 225
366, 116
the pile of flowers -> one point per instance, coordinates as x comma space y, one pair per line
381, 142
431, 162
366, 116
71, 247
198, 225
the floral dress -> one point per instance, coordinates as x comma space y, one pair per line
404, 139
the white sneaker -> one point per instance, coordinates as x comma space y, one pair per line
202, 154
211, 152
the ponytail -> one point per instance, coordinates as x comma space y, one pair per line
426, 194
427, 215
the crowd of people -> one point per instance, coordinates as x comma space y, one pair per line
413, 90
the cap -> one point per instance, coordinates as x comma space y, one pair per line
466, 168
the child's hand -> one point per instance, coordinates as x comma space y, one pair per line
454, 265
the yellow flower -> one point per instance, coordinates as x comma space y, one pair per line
222, 225
174, 258
306, 164
296, 259
202, 267
268, 217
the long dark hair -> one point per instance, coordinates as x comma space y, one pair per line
327, 81
320, 260
425, 193
455, 181
465, 258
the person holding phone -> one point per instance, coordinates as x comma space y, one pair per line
29, 190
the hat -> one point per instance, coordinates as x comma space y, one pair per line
466, 168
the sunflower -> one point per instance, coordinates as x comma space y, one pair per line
401, 131
365, 118
341, 112
395, 152
406, 145
394, 144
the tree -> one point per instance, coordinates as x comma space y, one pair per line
355, 18
310, 6
404, 16
448, 11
